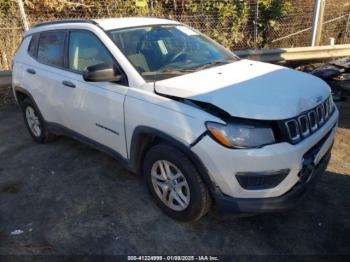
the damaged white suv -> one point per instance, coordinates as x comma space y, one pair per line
201, 125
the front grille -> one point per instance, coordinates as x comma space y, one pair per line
304, 125
293, 129
308, 122
312, 117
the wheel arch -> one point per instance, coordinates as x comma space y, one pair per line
145, 137
20, 94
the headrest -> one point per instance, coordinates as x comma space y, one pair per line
87, 53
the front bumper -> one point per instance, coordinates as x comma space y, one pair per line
274, 204
224, 164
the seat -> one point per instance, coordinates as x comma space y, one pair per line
139, 60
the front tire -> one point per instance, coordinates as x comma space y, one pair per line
35, 123
175, 184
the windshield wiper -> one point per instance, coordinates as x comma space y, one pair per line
180, 71
165, 72
212, 63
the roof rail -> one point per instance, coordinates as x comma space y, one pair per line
66, 21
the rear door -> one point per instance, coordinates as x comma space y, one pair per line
95, 109
44, 74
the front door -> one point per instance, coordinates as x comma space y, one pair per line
96, 108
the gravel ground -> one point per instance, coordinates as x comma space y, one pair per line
67, 198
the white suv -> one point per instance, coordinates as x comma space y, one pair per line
201, 125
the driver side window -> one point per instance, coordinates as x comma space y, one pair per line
86, 50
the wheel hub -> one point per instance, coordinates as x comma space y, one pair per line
170, 185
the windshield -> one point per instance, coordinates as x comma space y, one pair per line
164, 51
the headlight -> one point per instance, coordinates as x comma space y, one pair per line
241, 135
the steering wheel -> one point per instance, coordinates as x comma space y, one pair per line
177, 56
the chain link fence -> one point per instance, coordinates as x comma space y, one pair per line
237, 24
336, 22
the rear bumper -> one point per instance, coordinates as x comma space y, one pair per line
274, 204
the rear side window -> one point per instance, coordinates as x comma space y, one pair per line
33, 45
51, 48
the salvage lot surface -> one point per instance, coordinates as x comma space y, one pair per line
67, 198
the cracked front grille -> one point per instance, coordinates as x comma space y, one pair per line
305, 124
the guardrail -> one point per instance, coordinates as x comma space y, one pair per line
5, 79
5, 84
295, 54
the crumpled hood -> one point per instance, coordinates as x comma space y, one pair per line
250, 89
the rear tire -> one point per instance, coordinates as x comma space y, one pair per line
35, 122
175, 184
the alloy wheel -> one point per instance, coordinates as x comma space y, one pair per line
170, 185
33, 121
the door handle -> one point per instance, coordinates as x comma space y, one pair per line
31, 71
69, 84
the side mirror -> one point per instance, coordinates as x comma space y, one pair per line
102, 73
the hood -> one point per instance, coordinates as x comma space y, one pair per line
250, 89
